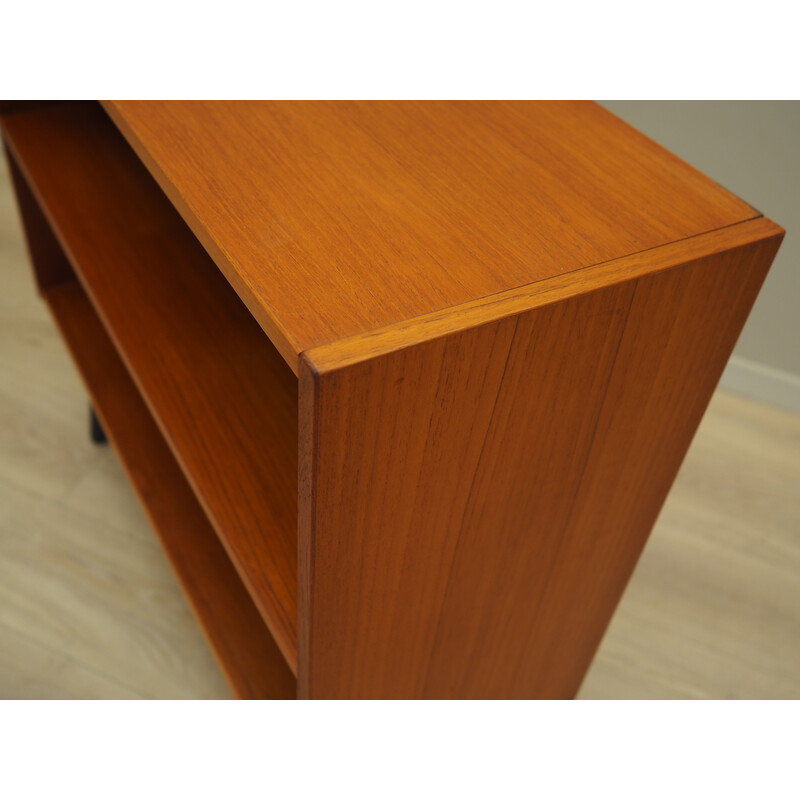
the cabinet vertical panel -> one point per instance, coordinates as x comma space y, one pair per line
472, 506
399, 445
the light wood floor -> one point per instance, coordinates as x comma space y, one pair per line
89, 607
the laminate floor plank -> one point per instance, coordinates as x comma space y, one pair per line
32, 672
101, 597
40, 454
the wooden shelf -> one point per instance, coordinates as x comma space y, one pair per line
245, 649
224, 400
428, 370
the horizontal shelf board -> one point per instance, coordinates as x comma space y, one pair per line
337, 218
244, 647
222, 396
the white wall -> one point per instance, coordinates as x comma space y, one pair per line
751, 148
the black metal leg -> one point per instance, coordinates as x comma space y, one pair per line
96, 432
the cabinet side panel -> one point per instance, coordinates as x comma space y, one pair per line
476, 503
399, 441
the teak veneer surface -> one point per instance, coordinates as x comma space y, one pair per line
333, 219
224, 399
480, 499
245, 649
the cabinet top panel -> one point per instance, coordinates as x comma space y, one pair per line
335, 218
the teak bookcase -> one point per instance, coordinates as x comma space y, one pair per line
401, 386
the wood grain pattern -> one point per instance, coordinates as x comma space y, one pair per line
476, 503
332, 219
245, 649
224, 400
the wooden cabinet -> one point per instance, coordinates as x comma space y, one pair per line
401, 386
